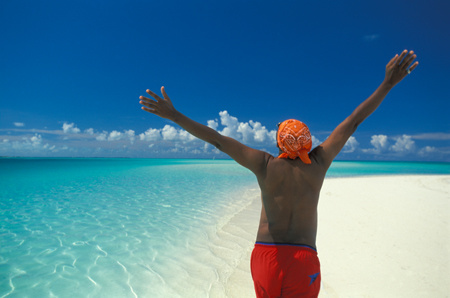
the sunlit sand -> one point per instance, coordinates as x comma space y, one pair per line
384, 236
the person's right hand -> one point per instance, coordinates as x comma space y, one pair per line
399, 67
162, 107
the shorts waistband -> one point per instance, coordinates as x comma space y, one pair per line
285, 244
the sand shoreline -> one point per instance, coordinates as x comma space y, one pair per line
378, 236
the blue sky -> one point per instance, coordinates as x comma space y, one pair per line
72, 72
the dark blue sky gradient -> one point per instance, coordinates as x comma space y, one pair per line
86, 62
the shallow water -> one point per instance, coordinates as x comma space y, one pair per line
111, 228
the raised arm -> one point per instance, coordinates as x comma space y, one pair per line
254, 160
396, 70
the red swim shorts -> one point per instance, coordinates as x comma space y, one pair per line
285, 270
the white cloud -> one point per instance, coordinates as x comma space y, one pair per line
130, 134
246, 132
185, 136
114, 135
26, 145
19, 124
315, 141
89, 131
427, 150
213, 124
403, 144
36, 140
380, 144
231, 124
170, 138
196, 152
251, 133
102, 137
260, 132
169, 133
351, 145
70, 128
151, 135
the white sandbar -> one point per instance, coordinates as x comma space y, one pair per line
382, 236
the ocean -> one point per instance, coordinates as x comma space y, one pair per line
85, 227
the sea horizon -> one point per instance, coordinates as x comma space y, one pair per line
203, 158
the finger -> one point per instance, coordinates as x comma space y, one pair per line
148, 110
400, 58
148, 104
410, 60
413, 66
392, 60
146, 99
407, 60
166, 97
154, 95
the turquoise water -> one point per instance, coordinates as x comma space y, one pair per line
126, 227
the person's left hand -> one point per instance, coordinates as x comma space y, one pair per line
399, 67
162, 107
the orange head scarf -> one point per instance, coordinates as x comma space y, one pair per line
294, 139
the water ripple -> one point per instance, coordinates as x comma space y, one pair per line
117, 233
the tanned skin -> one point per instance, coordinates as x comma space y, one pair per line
289, 188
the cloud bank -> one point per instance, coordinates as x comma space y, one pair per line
172, 141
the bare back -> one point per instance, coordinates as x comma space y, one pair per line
290, 194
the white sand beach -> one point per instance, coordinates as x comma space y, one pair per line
382, 236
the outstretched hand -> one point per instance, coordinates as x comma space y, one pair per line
399, 67
161, 107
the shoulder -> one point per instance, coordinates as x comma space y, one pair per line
319, 158
256, 161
